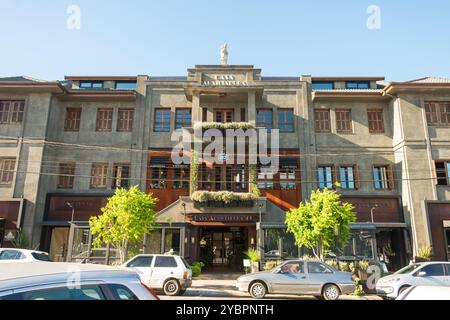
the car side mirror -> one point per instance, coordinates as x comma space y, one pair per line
421, 274
278, 270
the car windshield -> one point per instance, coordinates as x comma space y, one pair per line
41, 256
408, 269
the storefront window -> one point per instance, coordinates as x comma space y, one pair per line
153, 242
172, 241
360, 246
279, 244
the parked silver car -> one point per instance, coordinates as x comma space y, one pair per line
417, 274
298, 277
70, 281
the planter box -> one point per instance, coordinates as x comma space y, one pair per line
221, 204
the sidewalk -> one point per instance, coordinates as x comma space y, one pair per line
226, 288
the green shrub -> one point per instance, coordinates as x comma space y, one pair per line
424, 253
253, 255
359, 289
343, 266
197, 268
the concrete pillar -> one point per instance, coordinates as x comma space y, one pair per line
196, 109
251, 108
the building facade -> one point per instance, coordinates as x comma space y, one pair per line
65, 146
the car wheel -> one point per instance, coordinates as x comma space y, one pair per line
171, 287
402, 289
330, 292
258, 290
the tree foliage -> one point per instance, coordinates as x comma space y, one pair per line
318, 223
126, 218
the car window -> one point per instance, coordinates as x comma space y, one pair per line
317, 267
41, 256
293, 267
408, 269
447, 267
120, 292
165, 262
11, 255
186, 264
140, 262
63, 293
433, 270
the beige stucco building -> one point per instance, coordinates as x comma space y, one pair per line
66, 145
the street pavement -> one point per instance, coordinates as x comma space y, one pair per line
225, 290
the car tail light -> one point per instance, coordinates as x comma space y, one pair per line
185, 275
150, 290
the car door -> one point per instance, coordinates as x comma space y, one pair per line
318, 275
164, 267
433, 275
142, 266
291, 278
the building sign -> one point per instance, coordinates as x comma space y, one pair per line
224, 81
224, 218
85, 207
383, 209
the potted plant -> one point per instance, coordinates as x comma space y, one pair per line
255, 257
423, 254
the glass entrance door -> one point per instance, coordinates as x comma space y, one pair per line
447, 238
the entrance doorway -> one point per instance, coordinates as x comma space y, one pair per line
222, 249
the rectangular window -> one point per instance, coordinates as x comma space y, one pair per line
181, 177
99, 175
7, 166
66, 175
162, 120
443, 172
104, 119
286, 120
91, 84
322, 85
125, 85
375, 119
383, 177
322, 120
326, 177
287, 175
438, 113
264, 118
125, 119
348, 177
183, 118
11, 112
73, 118
158, 178
121, 176
343, 120
223, 116
265, 178
357, 85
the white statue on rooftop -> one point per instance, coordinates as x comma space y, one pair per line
224, 55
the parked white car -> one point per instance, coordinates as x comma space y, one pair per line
70, 281
417, 274
170, 273
22, 255
425, 293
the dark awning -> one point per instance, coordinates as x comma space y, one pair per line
160, 162
288, 162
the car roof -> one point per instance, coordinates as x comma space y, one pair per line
154, 254
17, 275
23, 250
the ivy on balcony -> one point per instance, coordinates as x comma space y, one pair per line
223, 198
224, 126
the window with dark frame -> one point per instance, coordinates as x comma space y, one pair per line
223, 116
183, 118
326, 176
375, 120
288, 169
125, 119
99, 174
125, 85
438, 113
343, 120
91, 84
73, 119
322, 85
322, 120
104, 119
11, 112
357, 85
348, 177
121, 176
442, 172
158, 178
265, 178
161, 121
66, 175
264, 118
7, 167
286, 120
181, 177
383, 177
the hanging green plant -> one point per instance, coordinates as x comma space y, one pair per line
194, 171
253, 182
224, 126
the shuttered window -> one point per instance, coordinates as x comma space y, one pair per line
66, 175
383, 177
344, 121
11, 111
322, 120
7, 166
73, 118
104, 119
125, 120
99, 175
438, 113
375, 119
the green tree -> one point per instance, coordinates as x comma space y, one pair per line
318, 223
125, 219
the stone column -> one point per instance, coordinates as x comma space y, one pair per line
251, 108
196, 109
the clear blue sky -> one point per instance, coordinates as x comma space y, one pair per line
281, 37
